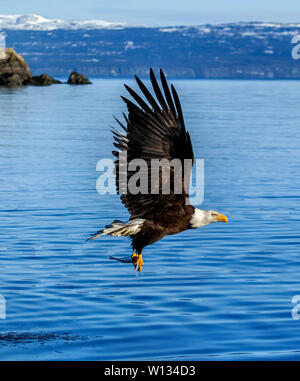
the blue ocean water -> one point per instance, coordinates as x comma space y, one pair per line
223, 292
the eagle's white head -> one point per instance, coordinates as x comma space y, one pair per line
205, 217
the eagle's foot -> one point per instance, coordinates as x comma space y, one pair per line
137, 261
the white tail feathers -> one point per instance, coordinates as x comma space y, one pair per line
120, 229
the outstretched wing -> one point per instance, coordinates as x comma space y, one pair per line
153, 129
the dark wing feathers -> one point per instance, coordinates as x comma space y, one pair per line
138, 99
154, 130
167, 93
121, 124
157, 91
148, 95
178, 106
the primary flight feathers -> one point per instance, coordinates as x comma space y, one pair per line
154, 130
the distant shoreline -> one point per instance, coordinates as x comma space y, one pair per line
64, 79
226, 51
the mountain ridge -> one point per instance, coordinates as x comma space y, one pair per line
37, 22
255, 50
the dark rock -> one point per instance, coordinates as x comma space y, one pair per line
42, 80
14, 71
78, 79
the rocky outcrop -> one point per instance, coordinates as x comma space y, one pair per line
14, 70
42, 80
78, 79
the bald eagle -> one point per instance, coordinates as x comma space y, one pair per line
154, 129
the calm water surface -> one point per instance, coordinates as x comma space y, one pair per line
222, 292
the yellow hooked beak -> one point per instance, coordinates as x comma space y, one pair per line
222, 218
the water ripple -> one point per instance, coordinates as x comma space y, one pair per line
220, 293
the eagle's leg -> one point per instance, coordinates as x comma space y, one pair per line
137, 261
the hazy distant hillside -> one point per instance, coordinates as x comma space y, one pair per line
96, 48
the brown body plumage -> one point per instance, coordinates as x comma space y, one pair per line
159, 225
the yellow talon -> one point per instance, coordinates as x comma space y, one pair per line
137, 261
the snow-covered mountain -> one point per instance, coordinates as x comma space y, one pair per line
36, 22
99, 48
